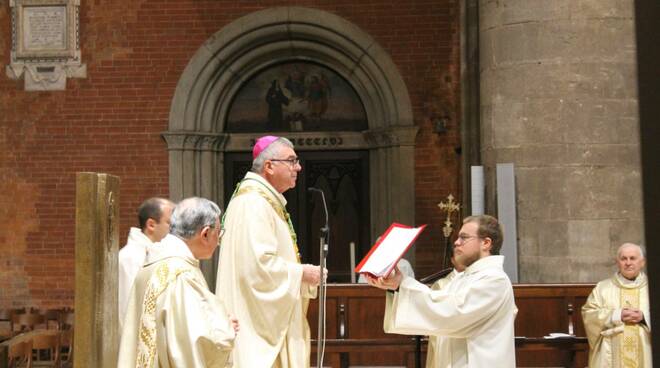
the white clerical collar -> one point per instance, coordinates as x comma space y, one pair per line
624, 281
138, 238
171, 246
252, 176
484, 263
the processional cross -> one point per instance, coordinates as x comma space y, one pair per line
450, 207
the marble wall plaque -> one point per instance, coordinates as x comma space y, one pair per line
44, 28
45, 43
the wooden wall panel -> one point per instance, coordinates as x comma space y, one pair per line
331, 327
365, 318
540, 316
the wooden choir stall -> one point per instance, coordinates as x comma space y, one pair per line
355, 336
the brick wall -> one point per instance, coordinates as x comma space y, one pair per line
111, 122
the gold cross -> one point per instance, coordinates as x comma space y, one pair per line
450, 206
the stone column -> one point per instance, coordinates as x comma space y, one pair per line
390, 178
196, 170
97, 243
558, 100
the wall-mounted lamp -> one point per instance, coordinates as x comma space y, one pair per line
440, 124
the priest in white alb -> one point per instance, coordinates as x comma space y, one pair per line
173, 319
472, 315
440, 346
616, 315
154, 220
260, 275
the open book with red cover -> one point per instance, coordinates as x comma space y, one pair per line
390, 247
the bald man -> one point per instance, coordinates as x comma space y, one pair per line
616, 314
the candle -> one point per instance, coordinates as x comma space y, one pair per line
352, 245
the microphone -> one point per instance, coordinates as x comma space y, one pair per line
326, 228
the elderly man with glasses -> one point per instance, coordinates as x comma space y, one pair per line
260, 275
173, 319
472, 315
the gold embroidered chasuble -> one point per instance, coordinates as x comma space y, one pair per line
260, 279
173, 319
614, 343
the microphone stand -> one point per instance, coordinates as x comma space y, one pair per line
324, 238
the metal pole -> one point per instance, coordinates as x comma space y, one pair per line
321, 324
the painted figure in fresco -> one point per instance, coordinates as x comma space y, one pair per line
295, 83
317, 97
275, 99
295, 114
296, 97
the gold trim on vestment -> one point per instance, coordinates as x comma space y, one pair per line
631, 343
278, 208
159, 281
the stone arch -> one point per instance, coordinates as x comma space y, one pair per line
196, 139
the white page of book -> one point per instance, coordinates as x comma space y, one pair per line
389, 250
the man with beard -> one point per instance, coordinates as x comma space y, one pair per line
472, 315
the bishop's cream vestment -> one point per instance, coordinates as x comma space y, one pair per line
131, 260
173, 319
260, 279
613, 343
472, 316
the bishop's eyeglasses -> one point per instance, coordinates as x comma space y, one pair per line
291, 161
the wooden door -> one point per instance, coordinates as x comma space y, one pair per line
344, 178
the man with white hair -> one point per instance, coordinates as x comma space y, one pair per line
173, 319
260, 276
616, 314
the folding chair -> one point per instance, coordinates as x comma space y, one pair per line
20, 355
46, 349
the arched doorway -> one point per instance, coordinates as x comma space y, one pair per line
198, 141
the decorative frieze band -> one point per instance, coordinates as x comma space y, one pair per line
370, 139
313, 141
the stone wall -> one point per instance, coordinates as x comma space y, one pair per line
111, 122
558, 99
